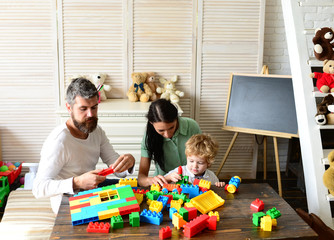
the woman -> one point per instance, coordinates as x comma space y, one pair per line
164, 141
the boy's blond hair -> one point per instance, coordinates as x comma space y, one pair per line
202, 145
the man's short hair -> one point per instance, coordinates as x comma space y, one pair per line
80, 87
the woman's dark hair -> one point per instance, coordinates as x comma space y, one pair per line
160, 110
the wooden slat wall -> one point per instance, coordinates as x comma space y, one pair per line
163, 42
230, 40
91, 41
27, 77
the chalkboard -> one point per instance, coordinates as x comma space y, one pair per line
261, 104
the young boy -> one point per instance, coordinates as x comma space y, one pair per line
201, 151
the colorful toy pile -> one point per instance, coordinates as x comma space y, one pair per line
267, 220
10, 170
183, 200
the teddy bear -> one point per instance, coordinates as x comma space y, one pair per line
169, 91
328, 177
139, 90
325, 80
325, 111
98, 80
150, 81
323, 46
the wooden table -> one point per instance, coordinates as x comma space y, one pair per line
235, 220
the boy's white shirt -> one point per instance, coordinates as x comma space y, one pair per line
208, 175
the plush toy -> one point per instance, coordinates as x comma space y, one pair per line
169, 91
98, 81
150, 81
139, 90
328, 177
324, 111
323, 46
325, 80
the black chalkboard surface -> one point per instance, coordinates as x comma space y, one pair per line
261, 104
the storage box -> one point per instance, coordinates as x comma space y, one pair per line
12, 175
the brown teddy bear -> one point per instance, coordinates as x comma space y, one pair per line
324, 111
325, 80
323, 48
150, 81
328, 177
139, 90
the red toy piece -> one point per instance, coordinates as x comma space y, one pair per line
165, 233
179, 170
257, 205
196, 181
98, 227
192, 213
106, 171
195, 226
212, 223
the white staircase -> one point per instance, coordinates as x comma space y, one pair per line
313, 154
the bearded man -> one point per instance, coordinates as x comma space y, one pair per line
70, 153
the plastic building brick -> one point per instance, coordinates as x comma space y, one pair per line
192, 190
188, 204
116, 222
179, 196
196, 181
176, 204
212, 223
106, 171
171, 212
267, 223
170, 198
207, 201
139, 197
98, 227
165, 233
128, 181
178, 221
257, 218
257, 205
164, 200
195, 226
184, 213
102, 203
215, 213
204, 184
134, 219
155, 187
170, 187
164, 190
153, 195
233, 184
273, 213
4, 189
151, 217
192, 212
179, 170
156, 206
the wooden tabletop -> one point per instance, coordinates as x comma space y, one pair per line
235, 220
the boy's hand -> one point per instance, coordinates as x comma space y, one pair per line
220, 184
173, 177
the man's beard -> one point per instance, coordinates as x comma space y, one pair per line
85, 126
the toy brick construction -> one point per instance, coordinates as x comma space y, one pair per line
102, 203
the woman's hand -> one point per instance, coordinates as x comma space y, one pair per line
173, 177
159, 179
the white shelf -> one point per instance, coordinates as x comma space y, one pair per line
327, 126
313, 62
330, 197
317, 93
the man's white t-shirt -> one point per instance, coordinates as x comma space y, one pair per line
64, 157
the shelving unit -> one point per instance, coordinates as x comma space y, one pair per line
314, 154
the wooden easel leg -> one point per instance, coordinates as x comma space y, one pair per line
265, 157
227, 152
278, 168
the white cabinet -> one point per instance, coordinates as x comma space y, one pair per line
124, 123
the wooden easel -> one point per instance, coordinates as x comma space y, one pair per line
265, 70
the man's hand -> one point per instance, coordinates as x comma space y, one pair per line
173, 177
124, 162
88, 180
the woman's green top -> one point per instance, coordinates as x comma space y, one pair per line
174, 148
